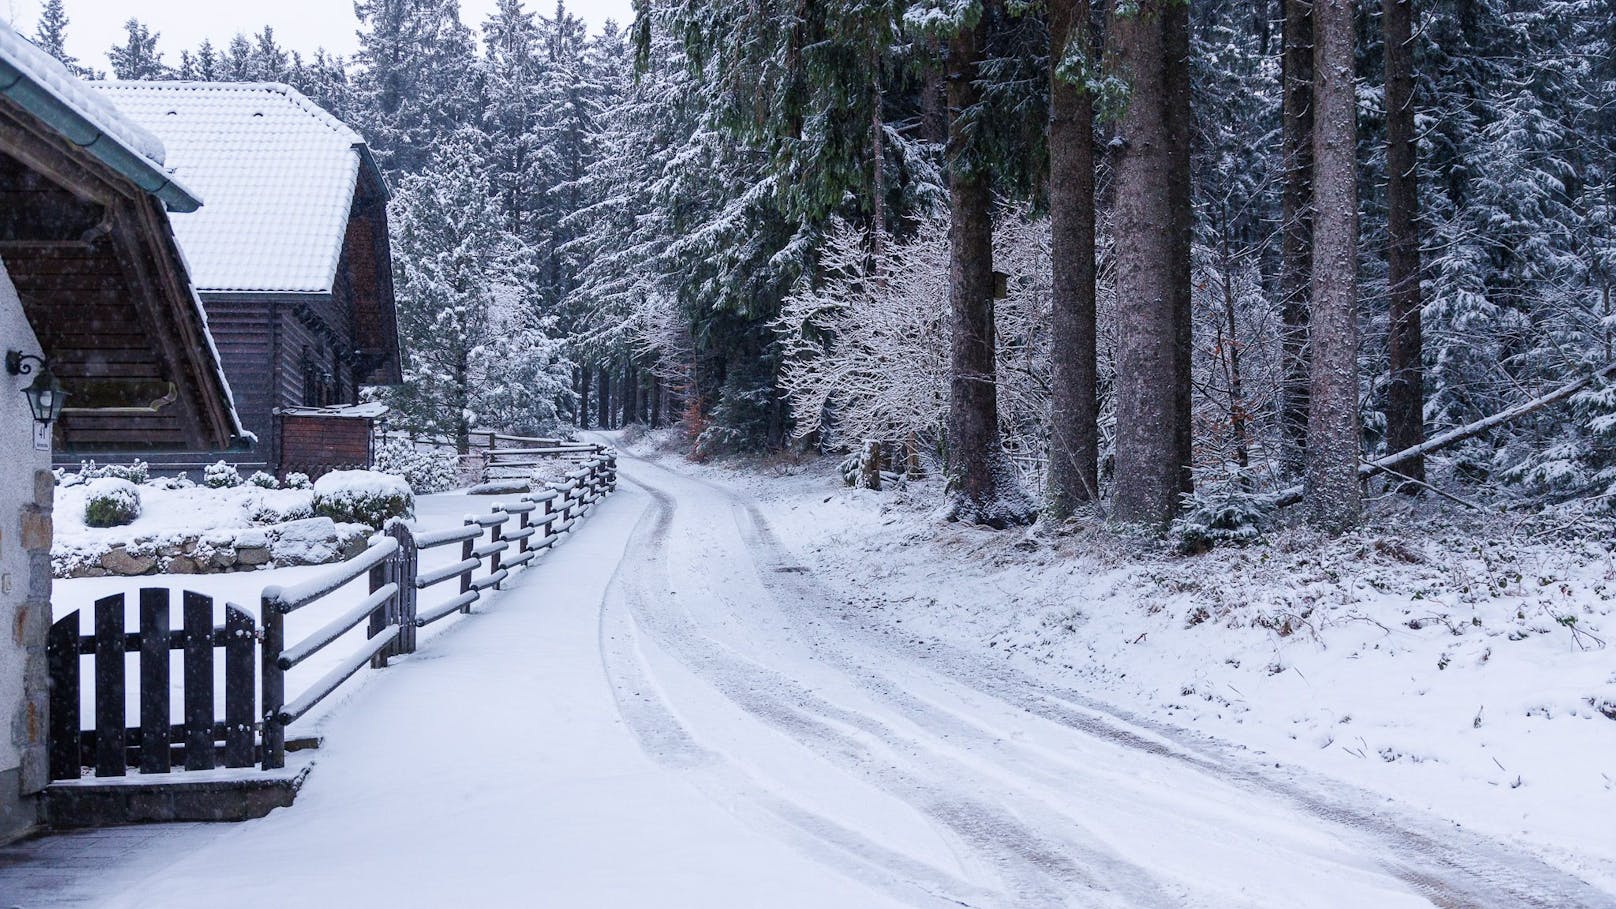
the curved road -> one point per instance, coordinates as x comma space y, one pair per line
669, 712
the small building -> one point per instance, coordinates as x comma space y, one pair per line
96, 301
291, 255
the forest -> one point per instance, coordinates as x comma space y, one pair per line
1145, 260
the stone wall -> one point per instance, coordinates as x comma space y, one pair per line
27, 489
312, 541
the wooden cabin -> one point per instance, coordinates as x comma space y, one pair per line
290, 256
93, 285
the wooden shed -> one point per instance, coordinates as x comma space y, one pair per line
291, 255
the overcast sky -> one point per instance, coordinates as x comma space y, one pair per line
300, 25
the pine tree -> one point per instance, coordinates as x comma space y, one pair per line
1074, 421
1405, 394
51, 37
416, 81
138, 57
1334, 437
1148, 42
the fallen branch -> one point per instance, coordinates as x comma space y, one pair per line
1293, 495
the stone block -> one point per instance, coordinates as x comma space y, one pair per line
120, 561
37, 528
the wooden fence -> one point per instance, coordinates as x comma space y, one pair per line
492, 546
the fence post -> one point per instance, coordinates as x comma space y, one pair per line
155, 756
379, 618
239, 695
198, 614
404, 572
466, 549
274, 679
66, 742
522, 523
496, 533
110, 757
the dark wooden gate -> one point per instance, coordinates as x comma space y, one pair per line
201, 741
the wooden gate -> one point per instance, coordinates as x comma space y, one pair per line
198, 742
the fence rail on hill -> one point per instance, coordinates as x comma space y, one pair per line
492, 546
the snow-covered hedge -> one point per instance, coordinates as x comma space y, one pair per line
111, 502
295, 480
426, 471
220, 475
363, 497
263, 480
136, 473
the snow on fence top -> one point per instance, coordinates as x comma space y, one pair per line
278, 173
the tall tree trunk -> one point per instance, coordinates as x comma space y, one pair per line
1405, 390
631, 392
1239, 418
1296, 229
1331, 480
656, 401
1074, 440
604, 405
985, 490
583, 396
1148, 44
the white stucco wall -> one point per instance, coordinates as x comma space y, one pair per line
18, 464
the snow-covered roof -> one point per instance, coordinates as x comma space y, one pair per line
278, 173
41, 85
371, 410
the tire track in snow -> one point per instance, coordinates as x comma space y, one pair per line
1043, 870
1452, 867
661, 735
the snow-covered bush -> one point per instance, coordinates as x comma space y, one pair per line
363, 497
281, 506
426, 471
295, 480
220, 475
136, 472
1221, 516
111, 502
263, 480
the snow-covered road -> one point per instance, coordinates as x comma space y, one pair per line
669, 712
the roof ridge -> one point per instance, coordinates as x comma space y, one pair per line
289, 92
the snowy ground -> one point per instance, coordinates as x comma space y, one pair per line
691, 705
1459, 670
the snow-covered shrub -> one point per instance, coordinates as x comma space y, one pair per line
363, 497
281, 505
426, 471
295, 480
111, 502
220, 475
263, 480
136, 472
1221, 516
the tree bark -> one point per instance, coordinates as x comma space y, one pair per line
1405, 389
984, 487
583, 396
631, 392
604, 404
1074, 434
1148, 41
1296, 226
1334, 497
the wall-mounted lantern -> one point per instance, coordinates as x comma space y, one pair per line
44, 394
